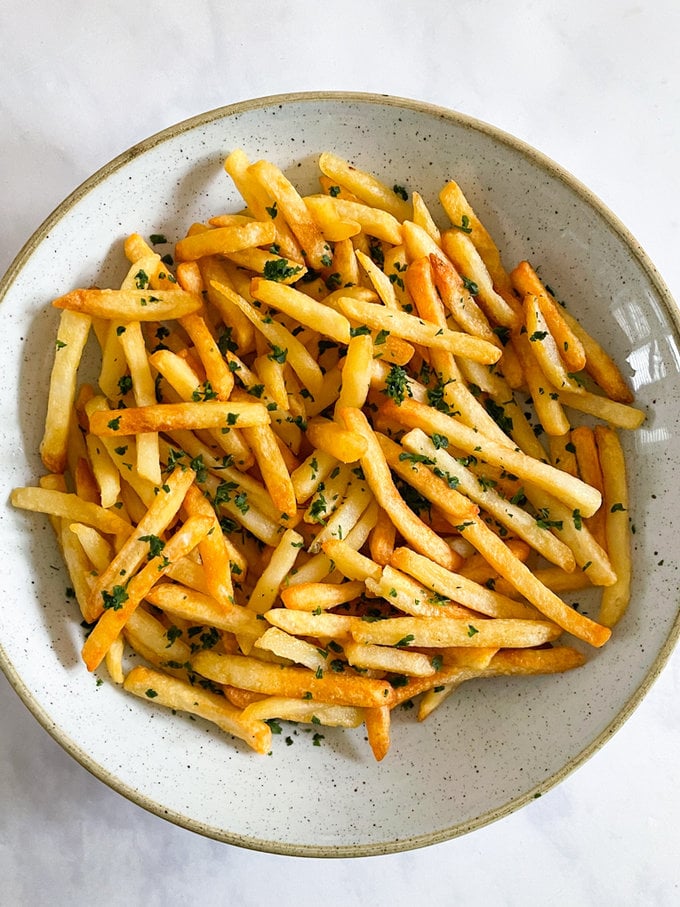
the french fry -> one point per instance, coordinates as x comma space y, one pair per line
282, 341
310, 596
157, 519
172, 416
571, 350
130, 305
435, 633
183, 696
364, 185
293, 210
304, 711
462, 252
251, 674
343, 444
223, 240
378, 477
378, 730
354, 565
121, 601
72, 334
545, 347
458, 588
615, 598
415, 330
565, 487
284, 556
294, 303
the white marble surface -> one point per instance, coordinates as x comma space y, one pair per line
596, 85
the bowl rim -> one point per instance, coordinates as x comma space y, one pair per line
555, 170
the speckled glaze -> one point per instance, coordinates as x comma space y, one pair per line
495, 744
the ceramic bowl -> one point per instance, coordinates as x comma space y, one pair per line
494, 745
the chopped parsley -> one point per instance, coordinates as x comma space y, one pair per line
114, 600
396, 384
278, 269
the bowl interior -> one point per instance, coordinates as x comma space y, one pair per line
494, 744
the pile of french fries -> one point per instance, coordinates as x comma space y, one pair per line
338, 458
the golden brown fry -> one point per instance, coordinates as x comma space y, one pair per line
300, 683
172, 416
130, 305
185, 697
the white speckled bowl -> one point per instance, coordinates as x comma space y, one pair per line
496, 744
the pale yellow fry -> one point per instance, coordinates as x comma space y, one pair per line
266, 590
549, 604
422, 218
355, 217
70, 507
545, 347
272, 375
386, 658
130, 305
364, 185
296, 650
94, 545
334, 226
619, 415
435, 633
72, 334
462, 252
415, 330
356, 372
162, 646
410, 597
354, 565
114, 660
321, 566
345, 516
615, 598
104, 471
259, 202
203, 610
310, 596
297, 305
382, 283
310, 623
343, 444
311, 473
143, 388
182, 696
458, 588
462, 217
305, 711
549, 410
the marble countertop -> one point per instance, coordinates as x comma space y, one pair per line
596, 86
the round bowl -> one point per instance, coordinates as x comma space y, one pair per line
494, 745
